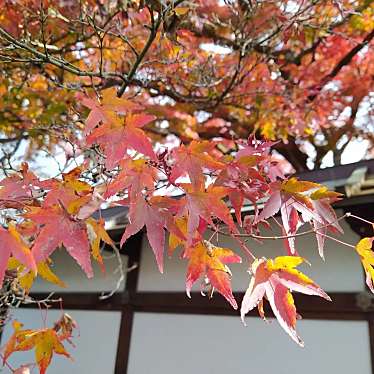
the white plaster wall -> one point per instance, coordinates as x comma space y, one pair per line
185, 344
340, 272
76, 280
95, 339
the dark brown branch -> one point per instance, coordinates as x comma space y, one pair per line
60, 63
153, 32
15, 139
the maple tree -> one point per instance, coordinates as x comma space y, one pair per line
184, 112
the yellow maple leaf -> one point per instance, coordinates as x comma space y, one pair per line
324, 193
26, 279
364, 249
295, 186
45, 343
174, 240
97, 233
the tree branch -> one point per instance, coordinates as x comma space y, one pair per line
60, 63
153, 32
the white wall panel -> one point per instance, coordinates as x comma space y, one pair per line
95, 339
185, 344
76, 280
340, 272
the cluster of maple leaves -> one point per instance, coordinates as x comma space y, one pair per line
209, 188
299, 70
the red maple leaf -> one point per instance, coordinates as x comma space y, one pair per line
205, 204
19, 188
135, 176
156, 215
103, 111
58, 228
115, 137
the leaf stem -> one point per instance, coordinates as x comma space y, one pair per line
360, 219
337, 240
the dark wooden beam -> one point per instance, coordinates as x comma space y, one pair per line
124, 338
80, 301
365, 211
342, 307
343, 303
370, 320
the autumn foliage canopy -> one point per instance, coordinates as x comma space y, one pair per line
183, 112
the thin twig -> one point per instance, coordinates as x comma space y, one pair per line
122, 276
278, 237
337, 240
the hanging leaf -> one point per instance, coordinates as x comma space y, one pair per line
275, 279
205, 259
45, 343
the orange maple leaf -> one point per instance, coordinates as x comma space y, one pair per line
274, 279
97, 233
210, 261
193, 160
135, 175
11, 243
